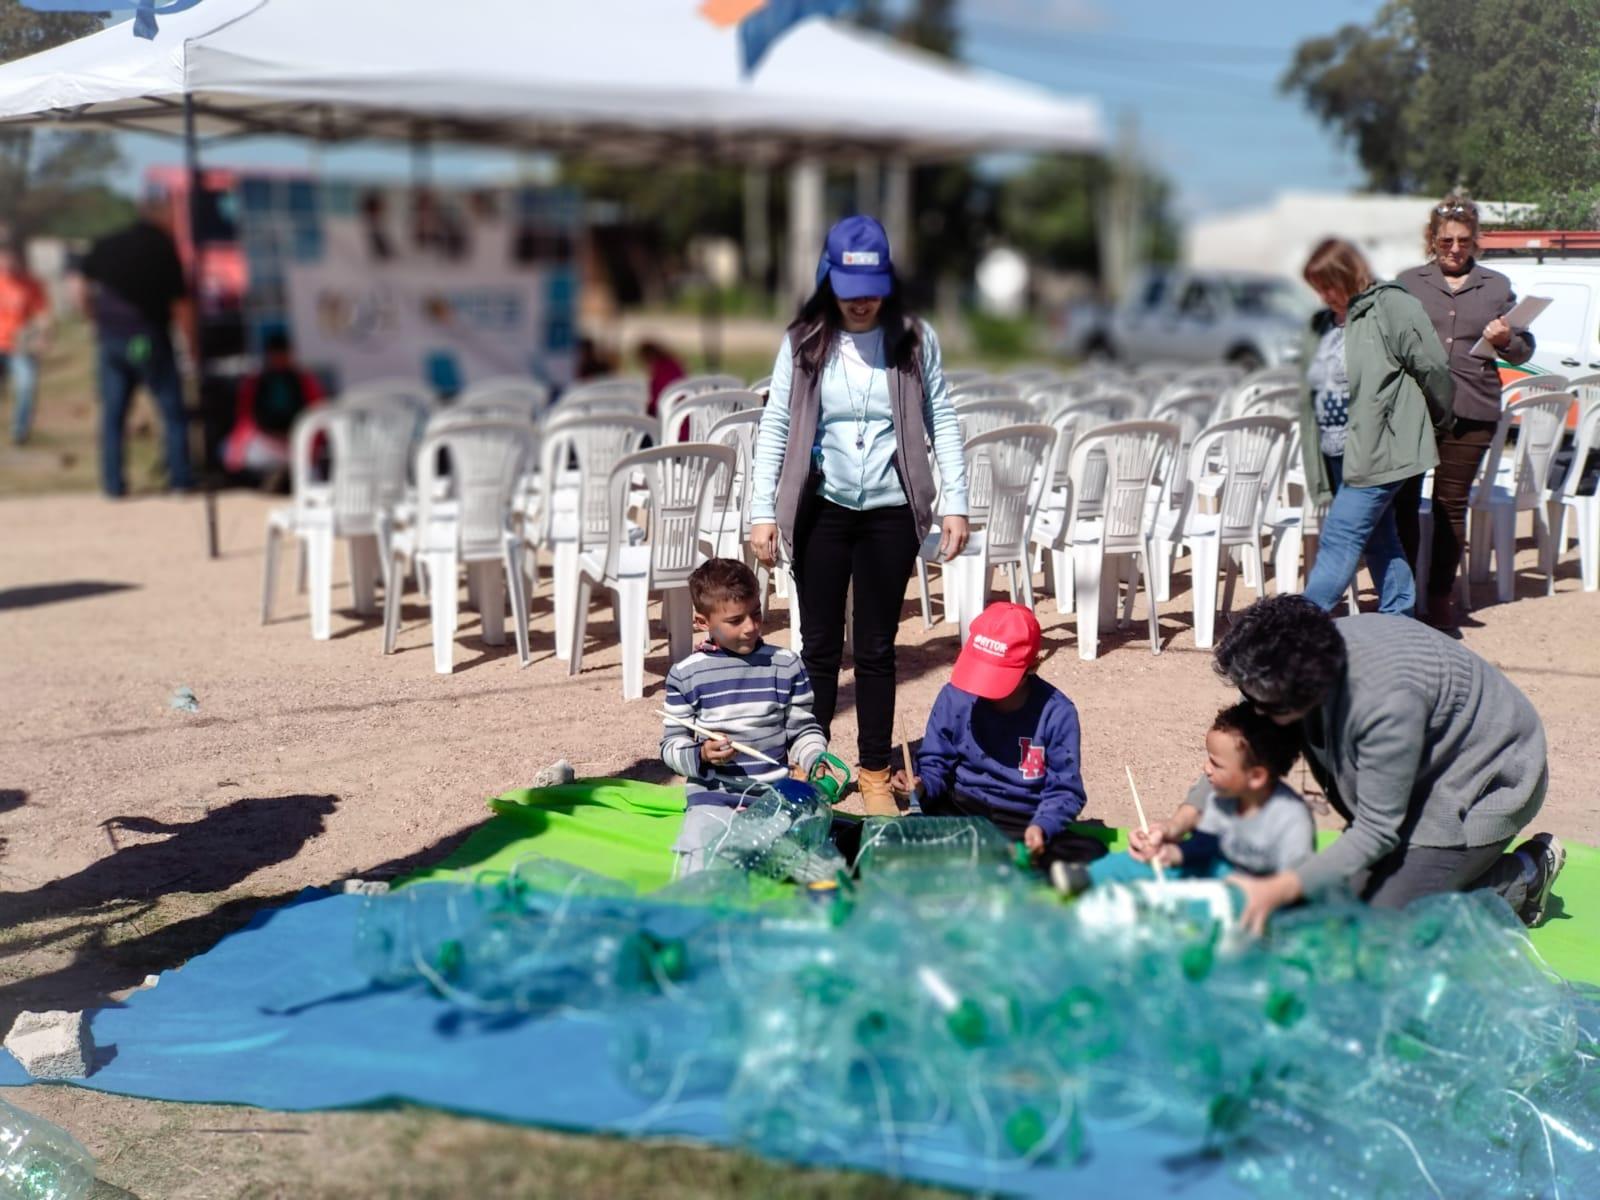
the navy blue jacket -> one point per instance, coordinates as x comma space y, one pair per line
1024, 763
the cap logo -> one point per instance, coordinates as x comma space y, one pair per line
860, 258
989, 645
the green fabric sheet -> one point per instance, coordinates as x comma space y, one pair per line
624, 829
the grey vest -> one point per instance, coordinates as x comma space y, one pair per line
911, 461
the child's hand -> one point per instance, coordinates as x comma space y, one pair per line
1170, 855
716, 751
1033, 839
903, 783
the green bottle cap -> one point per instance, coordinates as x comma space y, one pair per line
1025, 1129
967, 1024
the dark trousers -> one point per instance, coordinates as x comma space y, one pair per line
1461, 452
1066, 846
1410, 872
124, 363
875, 549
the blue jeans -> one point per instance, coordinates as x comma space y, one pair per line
124, 363
1361, 522
21, 371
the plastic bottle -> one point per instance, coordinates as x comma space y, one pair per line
782, 833
40, 1160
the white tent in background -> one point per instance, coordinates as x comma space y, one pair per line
627, 80
610, 78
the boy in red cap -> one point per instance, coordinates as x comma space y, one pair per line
1002, 743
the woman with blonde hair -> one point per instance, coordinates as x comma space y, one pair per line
1394, 381
1465, 301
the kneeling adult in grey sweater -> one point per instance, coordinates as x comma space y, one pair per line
1434, 758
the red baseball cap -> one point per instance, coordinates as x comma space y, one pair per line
1002, 646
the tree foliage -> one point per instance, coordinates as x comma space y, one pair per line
52, 182
1436, 94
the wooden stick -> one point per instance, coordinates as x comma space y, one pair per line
1155, 863
905, 750
712, 733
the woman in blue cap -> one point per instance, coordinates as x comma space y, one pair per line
842, 476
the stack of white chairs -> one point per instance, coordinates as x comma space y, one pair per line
367, 444
1587, 389
1583, 506
689, 418
517, 394
986, 392
1230, 485
1283, 401
1030, 376
1110, 519
1007, 470
980, 416
467, 517
1105, 405
667, 488
619, 393
1151, 379
957, 377
1496, 501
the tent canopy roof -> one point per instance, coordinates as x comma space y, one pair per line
617, 79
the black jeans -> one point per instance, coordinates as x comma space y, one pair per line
1410, 872
876, 549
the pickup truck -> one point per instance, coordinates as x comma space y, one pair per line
1177, 315
1565, 269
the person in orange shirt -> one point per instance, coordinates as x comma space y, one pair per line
24, 322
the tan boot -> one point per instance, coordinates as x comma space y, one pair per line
876, 793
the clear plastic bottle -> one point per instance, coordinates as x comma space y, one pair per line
40, 1160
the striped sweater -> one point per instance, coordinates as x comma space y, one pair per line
762, 699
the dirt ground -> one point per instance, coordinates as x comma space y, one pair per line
133, 836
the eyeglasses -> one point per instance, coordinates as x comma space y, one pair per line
1450, 243
1454, 210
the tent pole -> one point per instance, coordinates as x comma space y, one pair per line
806, 184
191, 157
897, 212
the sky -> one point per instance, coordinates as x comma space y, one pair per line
1198, 80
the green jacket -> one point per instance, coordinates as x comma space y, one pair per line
1400, 392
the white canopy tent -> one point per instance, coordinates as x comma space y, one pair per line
626, 80
611, 78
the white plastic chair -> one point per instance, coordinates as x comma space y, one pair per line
1541, 418
1283, 401
1105, 405
1587, 389
466, 517
1032, 375
957, 377
574, 510
1238, 463
619, 393
690, 418
406, 392
1015, 467
1583, 506
1111, 520
1530, 385
367, 449
510, 393
658, 558
727, 530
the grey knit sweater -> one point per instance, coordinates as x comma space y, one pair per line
1421, 742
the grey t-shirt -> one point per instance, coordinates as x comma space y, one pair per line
1275, 837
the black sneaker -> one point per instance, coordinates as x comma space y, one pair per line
1549, 856
1069, 878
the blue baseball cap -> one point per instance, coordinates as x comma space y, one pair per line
855, 259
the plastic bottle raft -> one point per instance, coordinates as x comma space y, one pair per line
1355, 1053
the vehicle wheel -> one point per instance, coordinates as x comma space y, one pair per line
1246, 359
1099, 353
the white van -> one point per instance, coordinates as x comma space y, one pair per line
1567, 334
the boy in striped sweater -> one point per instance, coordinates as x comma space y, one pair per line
749, 692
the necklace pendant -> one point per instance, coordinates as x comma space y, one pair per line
861, 441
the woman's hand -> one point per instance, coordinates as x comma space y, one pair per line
953, 539
764, 543
1497, 333
1265, 895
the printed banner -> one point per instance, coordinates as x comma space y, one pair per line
407, 320
144, 11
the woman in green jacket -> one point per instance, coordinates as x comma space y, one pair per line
1399, 389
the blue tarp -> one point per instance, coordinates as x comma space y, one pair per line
278, 1016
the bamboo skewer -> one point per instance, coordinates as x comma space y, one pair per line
712, 733
1155, 863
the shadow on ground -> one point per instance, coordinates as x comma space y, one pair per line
40, 594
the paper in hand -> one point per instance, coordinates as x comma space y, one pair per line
1520, 317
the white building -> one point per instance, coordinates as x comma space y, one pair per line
1279, 237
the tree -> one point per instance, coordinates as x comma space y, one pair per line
51, 182
1051, 211
1437, 94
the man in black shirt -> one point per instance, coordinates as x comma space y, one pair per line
132, 286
